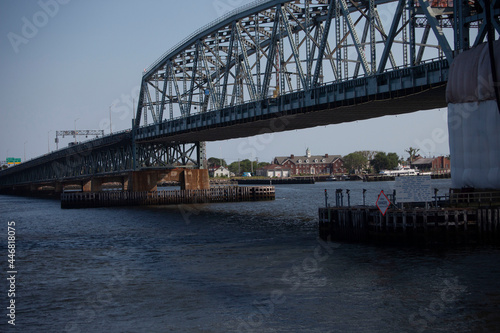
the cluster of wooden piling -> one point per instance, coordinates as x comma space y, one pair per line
126, 198
410, 225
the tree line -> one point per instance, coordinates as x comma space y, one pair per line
237, 167
369, 161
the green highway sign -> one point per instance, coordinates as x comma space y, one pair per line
12, 160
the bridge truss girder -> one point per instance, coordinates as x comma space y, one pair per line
87, 161
277, 47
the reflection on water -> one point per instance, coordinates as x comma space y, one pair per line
238, 267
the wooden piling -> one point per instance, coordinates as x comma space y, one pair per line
124, 198
410, 226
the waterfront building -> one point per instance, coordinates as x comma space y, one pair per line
274, 170
312, 164
219, 171
440, 164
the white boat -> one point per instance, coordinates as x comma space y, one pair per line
400, 171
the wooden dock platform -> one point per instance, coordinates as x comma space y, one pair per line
420, 226
125, 198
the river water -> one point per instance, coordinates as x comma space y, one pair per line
238, 267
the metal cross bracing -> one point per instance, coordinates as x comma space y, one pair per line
271, 48
103, 157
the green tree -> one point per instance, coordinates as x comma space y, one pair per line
355, 162
392, 161
412, 152
214, 161
383, 161
245, 166
262, 164
380, 161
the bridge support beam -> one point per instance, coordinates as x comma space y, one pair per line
92, 185
142, 181
58, 187
195, 179
190, 179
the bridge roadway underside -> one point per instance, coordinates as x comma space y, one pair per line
312, 116
322, 106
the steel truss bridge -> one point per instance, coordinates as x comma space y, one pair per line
274, 66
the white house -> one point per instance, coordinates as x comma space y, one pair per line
219, 172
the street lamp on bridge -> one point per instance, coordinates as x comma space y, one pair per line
75, 130
25, 142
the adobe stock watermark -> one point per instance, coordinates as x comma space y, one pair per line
454, 118
428, 315
439, 135
30, 27
303, 275
96, 302
252, 145
124, 106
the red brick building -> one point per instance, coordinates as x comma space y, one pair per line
438, 164
312, 164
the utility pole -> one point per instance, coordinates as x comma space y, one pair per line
25, 142
48, 142
110, 128
75, 129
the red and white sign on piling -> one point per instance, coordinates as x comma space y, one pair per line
383, 202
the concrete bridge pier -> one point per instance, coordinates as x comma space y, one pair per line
92, 185
190, 179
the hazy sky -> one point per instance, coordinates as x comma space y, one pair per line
67, 60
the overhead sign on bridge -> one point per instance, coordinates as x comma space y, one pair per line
12, 160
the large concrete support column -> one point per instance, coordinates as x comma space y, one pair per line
195, 179
93, 185
141, 181
125, 184
58, 187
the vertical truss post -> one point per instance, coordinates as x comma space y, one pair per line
411, 11
405, 38
270, 57
373, 49
257, 52
462, 37
338, 39
352, 29
346, 51
218, 68
308, 42
185, 108
227, 68
281, 58
201, 155
324, 42
164, 93
193, 77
